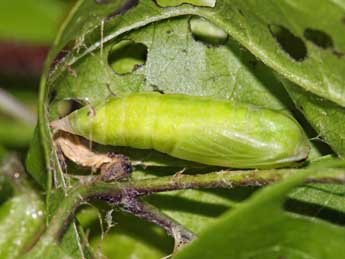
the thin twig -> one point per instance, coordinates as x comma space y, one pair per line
151, 214
11, 106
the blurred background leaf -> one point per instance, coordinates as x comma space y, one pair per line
27, 29
32, 21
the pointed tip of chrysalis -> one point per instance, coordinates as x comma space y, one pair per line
62, 124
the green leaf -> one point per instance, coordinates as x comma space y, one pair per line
31, 20
260, 228
35, 162
320, 69
14, 133
21, 210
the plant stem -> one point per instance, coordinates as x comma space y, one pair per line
150, 213
230, 179
125, 194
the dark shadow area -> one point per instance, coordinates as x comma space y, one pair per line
238, 194
315, 211
262, 73
313, 136
176, 203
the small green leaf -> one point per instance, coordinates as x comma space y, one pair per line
21, 213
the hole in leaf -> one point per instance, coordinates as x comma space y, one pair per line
66, 107
291, 44
319, 38
127, 56
207, 32
169, 3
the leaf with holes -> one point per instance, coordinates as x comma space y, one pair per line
306, 45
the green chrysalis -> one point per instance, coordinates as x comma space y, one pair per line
199, 129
